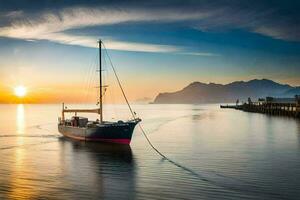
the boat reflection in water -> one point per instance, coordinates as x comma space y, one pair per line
102, 170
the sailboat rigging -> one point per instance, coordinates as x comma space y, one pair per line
81, 128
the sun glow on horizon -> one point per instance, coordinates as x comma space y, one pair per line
20, 91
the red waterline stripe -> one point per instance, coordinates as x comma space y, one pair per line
119, 141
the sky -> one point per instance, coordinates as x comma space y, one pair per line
50, 47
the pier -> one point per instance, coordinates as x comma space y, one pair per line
272, 106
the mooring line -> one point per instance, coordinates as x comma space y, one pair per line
168, 159
203, 178
156, 150
144, 133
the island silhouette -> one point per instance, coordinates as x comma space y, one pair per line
198, 92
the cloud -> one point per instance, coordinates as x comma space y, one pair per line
289, 34
200, 54
14, 14
53, 25
276, 21
89, 41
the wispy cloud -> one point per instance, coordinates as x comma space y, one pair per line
91, 41
200, 54
265, 19
53, 26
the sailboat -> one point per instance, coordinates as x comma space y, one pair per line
81, 128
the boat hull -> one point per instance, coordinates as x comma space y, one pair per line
120, 133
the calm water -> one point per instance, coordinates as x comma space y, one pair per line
230, 155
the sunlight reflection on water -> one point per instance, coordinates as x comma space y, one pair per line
240, 155
20, 119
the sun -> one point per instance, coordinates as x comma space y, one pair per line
20, 91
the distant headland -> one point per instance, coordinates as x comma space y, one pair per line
198, 92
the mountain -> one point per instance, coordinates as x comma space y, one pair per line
292, 92
198, 92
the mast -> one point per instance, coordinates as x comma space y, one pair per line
100, 82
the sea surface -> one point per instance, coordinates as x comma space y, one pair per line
213, 154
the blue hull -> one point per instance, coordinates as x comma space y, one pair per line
107, 132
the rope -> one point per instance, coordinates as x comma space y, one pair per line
150, 143
144, 133
170, 160
119, 82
